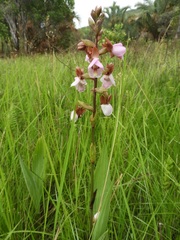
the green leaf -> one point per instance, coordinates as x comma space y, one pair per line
38, 164
103, 185
34, 179
30, 183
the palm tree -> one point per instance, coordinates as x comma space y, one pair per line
114, 15
156, 16
147, 20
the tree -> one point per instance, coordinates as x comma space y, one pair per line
156, 17
114, 15
45, 15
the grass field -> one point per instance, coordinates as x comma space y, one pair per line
45, 167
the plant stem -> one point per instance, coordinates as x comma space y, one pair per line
92, 160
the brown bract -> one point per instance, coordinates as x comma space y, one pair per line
84, 44
92, 52
109, 69
108, 45
79, 72
80, 111
105, 99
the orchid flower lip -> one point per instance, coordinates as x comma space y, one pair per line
107, 81
107, 109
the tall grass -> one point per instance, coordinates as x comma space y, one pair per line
141, 140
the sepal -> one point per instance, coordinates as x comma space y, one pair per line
101, 90
85, 106
88, 43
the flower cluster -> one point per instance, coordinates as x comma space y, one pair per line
96, 70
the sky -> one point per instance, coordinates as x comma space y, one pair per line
83, 8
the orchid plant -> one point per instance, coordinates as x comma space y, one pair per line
98, 74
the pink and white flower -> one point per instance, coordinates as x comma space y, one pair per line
79, 84
106, 107
118, 50
107, 81
95, 68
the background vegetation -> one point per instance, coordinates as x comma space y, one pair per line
31, 26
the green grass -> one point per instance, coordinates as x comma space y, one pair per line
141, 142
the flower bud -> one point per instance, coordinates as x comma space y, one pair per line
81, 46
94, 15
98, 11
95, 218
91, 22
88, 43
99, 25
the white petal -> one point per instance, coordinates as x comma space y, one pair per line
107, 109
77, 80
112, 79
73, 116
102, 78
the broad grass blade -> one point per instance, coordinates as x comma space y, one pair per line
34, 178
103, 185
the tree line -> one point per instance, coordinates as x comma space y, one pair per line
150, 19
28, 26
